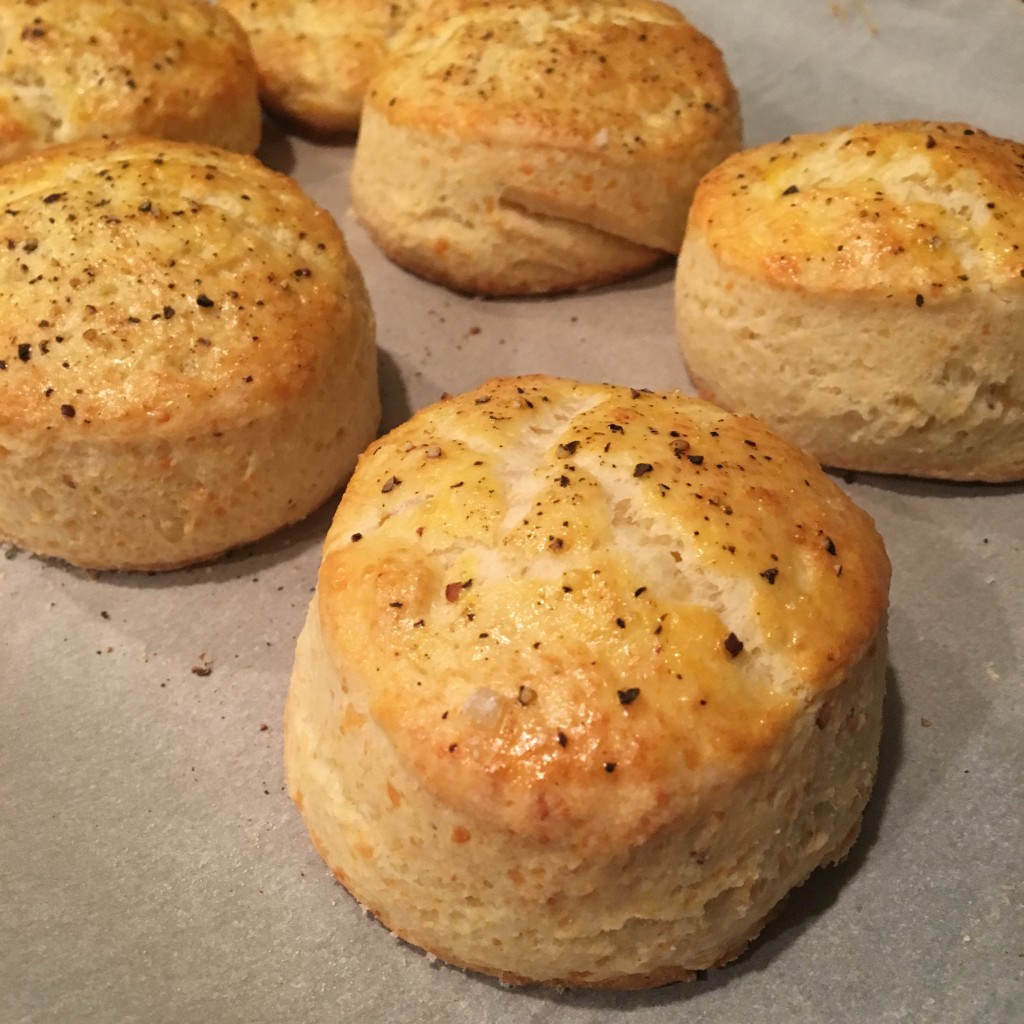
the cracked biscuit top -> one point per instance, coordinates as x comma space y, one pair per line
549, 582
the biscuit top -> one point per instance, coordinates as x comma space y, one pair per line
159, 286
319, 50
572, 73
579, 598
363, 24
72, 69
914, 208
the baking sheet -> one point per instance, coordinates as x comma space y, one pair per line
151, 866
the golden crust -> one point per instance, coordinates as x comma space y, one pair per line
315, 58
901, 209
558, 72
492, 124
862, 291
179, 320
591, 679
78, 69
541, 546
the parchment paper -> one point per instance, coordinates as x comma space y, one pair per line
151, 866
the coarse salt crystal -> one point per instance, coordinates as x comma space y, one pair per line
482, 705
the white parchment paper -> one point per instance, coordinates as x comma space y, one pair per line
152, 868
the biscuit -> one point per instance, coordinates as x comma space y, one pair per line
187, 355
591, 679
315, 58
540, 145
861, 290
79, 69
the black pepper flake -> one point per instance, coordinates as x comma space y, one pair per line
931, 143
568, 449
770, 574
168, 312
733, 645
527, 695
563, 481
54, 197
302, 272
919, 299
615, 428
67, 411
395, 604
610, 766
25, 351
452, 747
639, 591
642, 468
482, 400
204, 300
356, 536
390, 484
830, 546
696, 459
562, 738
621, 623
629, 695
792, 190
3, 364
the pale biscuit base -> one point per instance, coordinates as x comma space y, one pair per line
591, 680
188, 360
527, 148
862, 292
85, 69
453, 227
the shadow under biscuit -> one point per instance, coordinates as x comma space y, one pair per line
394, 395
276, 149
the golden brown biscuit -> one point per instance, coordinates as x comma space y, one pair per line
540, 145
80, 69
862, 291
592, 678
186, 353
316, 56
